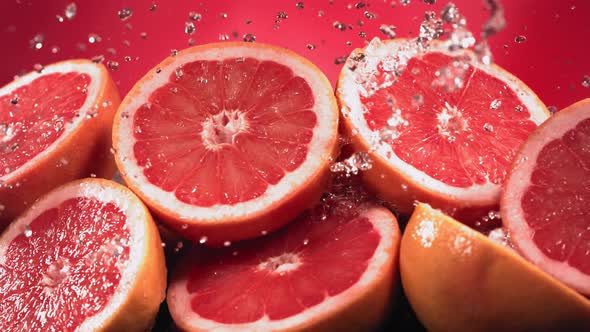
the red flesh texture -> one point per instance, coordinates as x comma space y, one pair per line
58, 98
278, 109
80, 232
228, 286
556, 205
465, 161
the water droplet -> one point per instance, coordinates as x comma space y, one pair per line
300, 5
223, 15
226, 243
189, 28
404, 2
127, 58
431, 28
388, 30
38, 67
153, 7
223, 37
552, 109
250, 38
586, 81
97, 58
142, 35
305, 242
339, 25
125, 14
55, 49
112, 65
37, 41
27, 231
358, 161
94, 38
520, 39
14, 100
195, 16
264, 233
203, 240
70, 11
488, 127
340, 60
310, 47
518, 108
282, 15
184, 226
495, 104
370, 15
429, 2
173, 53
320, 13
59, 18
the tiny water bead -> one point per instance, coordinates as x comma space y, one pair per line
153, 7
552, 109
339, 25
97, 58
37, 41
300, 5
125, 13
189, 28
388, 30
495, 104
112, 65
249, 37
70, 11
310, 47
94, 38
195, 16
586, 81
519, 39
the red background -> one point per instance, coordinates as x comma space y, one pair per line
552, 61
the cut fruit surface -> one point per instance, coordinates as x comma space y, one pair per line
57, 122
446, 143
546, 200
322, 272
227, 140
456, 279
85, 257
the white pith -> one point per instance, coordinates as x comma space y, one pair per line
93, 89
517, 183
179, 300
349, 92
320, 147
138, 246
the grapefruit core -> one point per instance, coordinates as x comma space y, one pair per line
456, 279
228, 141
85, 257
546, 199
322, 272
446, 143
55, 126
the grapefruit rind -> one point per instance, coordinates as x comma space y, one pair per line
519, 179
85, 142
407, 183
142, 286
456, 279
282, 200
356, 309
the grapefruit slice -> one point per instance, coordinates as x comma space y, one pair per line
322, 272
227, 141
85, 257
450, 145
55, 126
456, 279
546, 201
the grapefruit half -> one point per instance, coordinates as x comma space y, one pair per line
55, 126
85, 257
322, 272
228, 141
456, 279
546, 199
450, 145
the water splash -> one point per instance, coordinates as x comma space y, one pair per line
358, 161
70, 11
125, 13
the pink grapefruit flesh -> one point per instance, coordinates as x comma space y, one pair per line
42, 108
228, 140
304, 274
66, 264
546, 202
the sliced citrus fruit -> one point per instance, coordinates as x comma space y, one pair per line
228, 140
55, 126
446, 144
322, 272
456, 279
546, 200
85, 257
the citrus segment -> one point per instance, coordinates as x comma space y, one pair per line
57, 121
71, 262
458, 280
329, 272
545, 201
446, 143
222, 133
